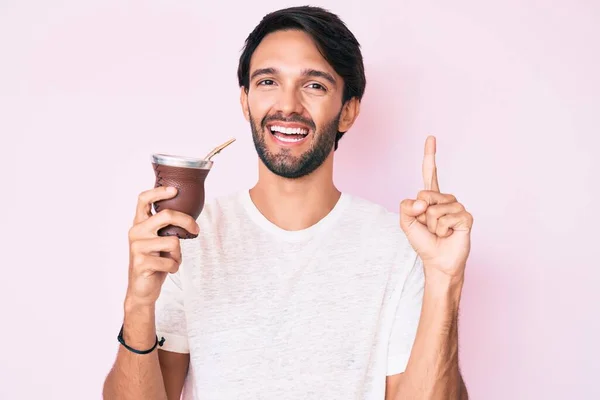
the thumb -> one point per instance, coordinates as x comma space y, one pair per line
409, 211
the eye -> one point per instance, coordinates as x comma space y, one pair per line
266, 82
317, 86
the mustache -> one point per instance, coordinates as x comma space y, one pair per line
292, 118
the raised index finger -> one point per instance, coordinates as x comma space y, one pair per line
430, 179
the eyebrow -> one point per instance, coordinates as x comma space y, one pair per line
305, 72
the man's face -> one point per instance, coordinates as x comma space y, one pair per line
294, 104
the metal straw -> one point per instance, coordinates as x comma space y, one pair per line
218, 149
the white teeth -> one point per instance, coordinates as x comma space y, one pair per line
289, 140
289, 131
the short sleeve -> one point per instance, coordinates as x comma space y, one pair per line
406, 320
170, 316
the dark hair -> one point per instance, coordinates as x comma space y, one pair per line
333, 39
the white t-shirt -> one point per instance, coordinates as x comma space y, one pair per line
322, 313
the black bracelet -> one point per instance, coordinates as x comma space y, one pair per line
122, 341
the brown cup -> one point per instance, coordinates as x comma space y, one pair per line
187, 175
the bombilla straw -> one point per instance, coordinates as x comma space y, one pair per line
218, 149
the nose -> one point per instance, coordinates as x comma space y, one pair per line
289, 102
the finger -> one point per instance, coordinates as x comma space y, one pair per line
409, 210
144, 264
461, 221
435, 212
150, 227
171, 217
145, 200
415, 231
430, 179
432, 197
164, 246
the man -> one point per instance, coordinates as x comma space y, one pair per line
293, 290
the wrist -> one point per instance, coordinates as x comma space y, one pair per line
134, 306
139, 329
442, 284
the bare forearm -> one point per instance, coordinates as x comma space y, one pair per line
136, 376
433, 369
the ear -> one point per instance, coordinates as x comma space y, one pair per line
350, 112
244, 103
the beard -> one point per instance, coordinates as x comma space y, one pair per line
284, 163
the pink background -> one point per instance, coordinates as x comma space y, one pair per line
89, 89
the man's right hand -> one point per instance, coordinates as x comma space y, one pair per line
151, 256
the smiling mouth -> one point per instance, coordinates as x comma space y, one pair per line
289, 135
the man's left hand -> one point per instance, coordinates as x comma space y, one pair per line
437, 226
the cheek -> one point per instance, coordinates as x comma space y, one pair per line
322, 111
259, 102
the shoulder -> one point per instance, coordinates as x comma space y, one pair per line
221, 209
219, 220
375, 217
379, 226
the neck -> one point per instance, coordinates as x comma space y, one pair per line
295, 204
